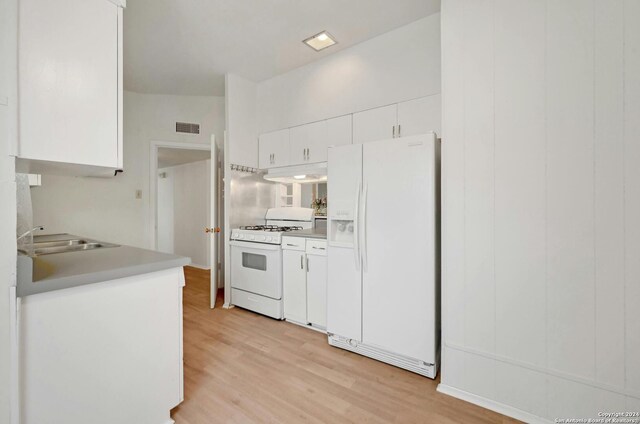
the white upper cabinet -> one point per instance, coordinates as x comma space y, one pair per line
309, 143
419, 116
339, 130
375, 124
274, 149
70, 84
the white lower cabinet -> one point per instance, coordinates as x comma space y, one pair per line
305, 280
103, 353
317, 290
294, 277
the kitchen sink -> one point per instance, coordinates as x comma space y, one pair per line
50, 247
59, 243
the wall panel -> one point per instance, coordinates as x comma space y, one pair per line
563, 173
520, 180
632, 192
570, 189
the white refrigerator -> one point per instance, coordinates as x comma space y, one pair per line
383, 254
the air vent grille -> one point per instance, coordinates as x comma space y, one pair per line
185, 127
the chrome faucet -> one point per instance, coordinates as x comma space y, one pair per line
31, 231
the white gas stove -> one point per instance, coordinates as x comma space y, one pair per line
256, 260
270, 234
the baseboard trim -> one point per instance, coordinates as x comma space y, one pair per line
498, 407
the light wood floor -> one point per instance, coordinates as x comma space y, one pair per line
242, 367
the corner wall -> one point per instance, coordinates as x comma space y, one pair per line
106, 208
541, 199
8, 212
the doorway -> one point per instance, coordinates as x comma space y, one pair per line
184, 204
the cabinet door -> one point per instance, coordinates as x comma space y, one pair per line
309, 143
68, 67
419, 116
374, 124
274, 149
339, 130
317, 290
294, 278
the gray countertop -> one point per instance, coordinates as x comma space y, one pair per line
71, 269
317, 233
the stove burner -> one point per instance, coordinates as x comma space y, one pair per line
270, 228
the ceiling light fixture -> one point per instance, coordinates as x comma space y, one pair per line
320, 41
299, 177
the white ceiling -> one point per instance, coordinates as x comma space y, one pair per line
186, 46
173, 157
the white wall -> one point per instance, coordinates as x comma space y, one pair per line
107, 209
165, 210
184, 211
8, 97
541, 237
241, 121
400, 65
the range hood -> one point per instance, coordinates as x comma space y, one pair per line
301, 174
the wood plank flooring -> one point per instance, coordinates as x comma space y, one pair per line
241, 367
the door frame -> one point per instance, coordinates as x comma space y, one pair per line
153, 184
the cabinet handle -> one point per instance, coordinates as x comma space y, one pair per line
399, 131
307, 264
274, 158
308, 153
393, 132
301, 262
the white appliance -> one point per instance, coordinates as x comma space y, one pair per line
256, 260
383, 277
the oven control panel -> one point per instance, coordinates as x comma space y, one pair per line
256, 236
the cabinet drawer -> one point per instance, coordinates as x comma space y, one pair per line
261, 304
316, 247
293, 243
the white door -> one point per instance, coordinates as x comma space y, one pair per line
273, 149
339, 130
344, 283
398, 246
419, 116
317, 290
294, 281
375, 124
214, 219
69, 81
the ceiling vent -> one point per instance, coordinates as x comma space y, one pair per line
187, 128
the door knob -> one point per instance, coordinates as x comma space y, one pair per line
212, 230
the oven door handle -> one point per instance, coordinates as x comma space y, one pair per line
254, 245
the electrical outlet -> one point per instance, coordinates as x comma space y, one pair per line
138, 194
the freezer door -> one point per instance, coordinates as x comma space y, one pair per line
344, 294
344, 283
398, 243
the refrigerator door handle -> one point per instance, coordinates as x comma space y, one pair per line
363, 230
356, 232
